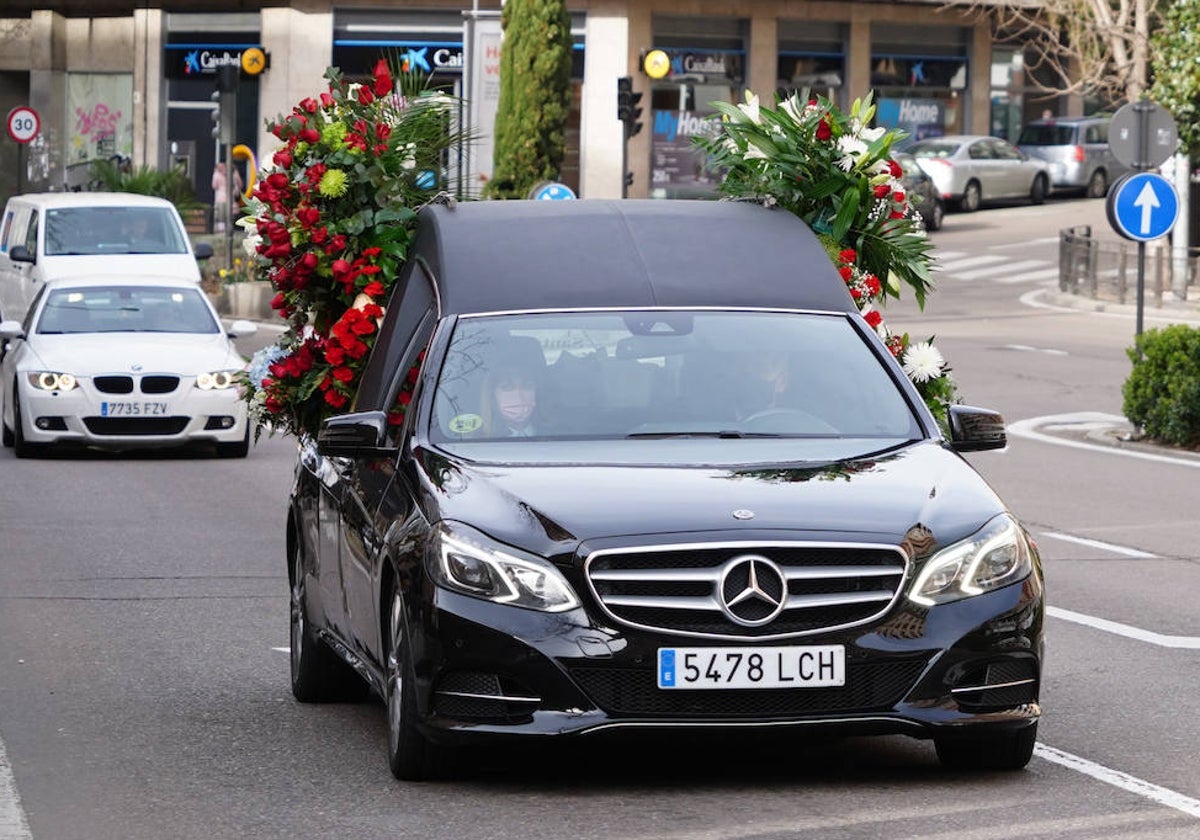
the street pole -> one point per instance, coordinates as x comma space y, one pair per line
1141, 287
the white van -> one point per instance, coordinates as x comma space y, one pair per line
49, 235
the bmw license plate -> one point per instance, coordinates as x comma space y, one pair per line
812, 666
133, 408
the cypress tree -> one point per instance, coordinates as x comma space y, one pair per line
535, 95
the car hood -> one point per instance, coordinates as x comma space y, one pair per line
92, 354
546, 508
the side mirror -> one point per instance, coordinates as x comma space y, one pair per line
202, 250
359, 435
976, 429
10, 330
241, 329
19, 253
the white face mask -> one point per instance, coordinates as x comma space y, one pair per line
516, 405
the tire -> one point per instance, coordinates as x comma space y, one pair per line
318, 674
1005, 750
1037, 193
237, 449
411, 756
937, 215
1097, 186
21, 447
971, 198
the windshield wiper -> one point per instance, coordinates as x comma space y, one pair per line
724, 433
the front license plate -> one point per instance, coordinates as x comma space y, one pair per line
133, 408
812, 666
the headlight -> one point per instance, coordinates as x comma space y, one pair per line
468, 562
218, 380
996, 555
48, 380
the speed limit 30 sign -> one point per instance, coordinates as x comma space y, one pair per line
23, 124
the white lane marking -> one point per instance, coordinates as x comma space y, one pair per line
1025, 348
949, 255
1020, 265
1116, 778
1031, 276
1126, 630
952, 266
1025, 243
1028, 429
1115, 549
13, 824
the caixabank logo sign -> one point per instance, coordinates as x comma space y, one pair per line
191, 61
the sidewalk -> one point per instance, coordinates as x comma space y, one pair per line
1172, 311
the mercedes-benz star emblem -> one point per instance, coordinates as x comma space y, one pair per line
753, 590
742, 513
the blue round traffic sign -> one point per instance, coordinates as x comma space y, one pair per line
1142, 206
553, 191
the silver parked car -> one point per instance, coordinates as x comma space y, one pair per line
971, 169
1076, 148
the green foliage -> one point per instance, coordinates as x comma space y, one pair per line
535, 96
1162, 393
170, 184
833, 171
1176, 66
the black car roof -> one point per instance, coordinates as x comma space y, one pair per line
495, 256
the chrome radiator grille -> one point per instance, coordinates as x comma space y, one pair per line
747, 590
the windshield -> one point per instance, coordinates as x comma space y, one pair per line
1047, 135
654, 375
105, 309
933, 149
74, 231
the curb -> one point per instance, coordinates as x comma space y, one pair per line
1179, 312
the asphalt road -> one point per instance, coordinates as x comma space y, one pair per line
143, 629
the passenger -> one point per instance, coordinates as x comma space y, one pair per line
510, 406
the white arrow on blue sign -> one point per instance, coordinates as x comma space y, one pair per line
1143, 206
553, 191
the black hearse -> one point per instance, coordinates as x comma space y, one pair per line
657, 474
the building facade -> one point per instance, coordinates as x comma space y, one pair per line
137, 85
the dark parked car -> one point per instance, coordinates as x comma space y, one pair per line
657, 473
922, 192
1077, 151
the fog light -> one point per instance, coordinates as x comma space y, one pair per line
51, 424
222, 421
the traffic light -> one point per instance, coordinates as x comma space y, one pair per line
224, 115
627, 106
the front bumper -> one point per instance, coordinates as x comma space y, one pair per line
487, 670
86, 417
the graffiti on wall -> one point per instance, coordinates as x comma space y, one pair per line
99, 116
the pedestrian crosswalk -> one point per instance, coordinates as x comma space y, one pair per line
994, 268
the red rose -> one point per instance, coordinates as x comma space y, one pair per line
383, 78
373, 289
365, 96
335, 398
309, 135
282, 158
309, 104
898, 196
895, 169
326, 100
824, 132
848, 256
873, 318
882, 190
846, 272
343, 374
278, 301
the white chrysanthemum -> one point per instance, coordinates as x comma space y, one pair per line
923, 362
850, 145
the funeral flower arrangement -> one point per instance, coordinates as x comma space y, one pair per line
834, 171
329, 224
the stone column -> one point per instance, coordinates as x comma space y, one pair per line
608, 55
299, 41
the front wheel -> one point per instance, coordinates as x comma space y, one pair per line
411, 756
21, 447
971, 198
318, 674
1004, 750
236, 449
1037, 193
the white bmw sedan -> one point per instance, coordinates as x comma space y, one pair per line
122, 363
